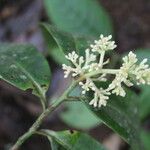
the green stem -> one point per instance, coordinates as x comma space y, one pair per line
102, 71
45, 113
43, 102
101, 59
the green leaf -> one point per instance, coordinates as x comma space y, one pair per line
24, 67
121, 115
73, 140
55, 145
145, 94
58, 56
63, 40
79, 116
146, 139
58, 42
144, 103
61, 43
82, 17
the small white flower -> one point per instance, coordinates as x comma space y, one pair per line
72, 56
67, 70
142, 73
80, 65
86, 86
117, 88
77, 62
94, 66
89, 58
129, 62
103, 44
100, 98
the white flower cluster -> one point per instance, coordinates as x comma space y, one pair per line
103, 44
128, 72
77, 61
90, 70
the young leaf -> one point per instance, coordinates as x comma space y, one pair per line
82, 17
121, 115
24, 67
72, 140
79, 116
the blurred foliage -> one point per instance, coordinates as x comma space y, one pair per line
146, 138
81, 17
77, 115
60, 43
71, 140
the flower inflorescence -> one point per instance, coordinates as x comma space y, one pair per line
90, 70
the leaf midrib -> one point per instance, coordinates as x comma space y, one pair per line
30, 77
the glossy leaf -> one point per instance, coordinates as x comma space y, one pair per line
24, 67
55, 145
63, 40
82, 17
60, 59
61, 43
73, 140
121, 115
77, 115
144, 103
146, 139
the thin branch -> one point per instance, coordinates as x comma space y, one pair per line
45, 113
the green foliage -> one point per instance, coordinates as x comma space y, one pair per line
77, 22
56, 37
81, 17
71, 140
24, 67
121, 115
61, 43
146, 139
144, 102
79, 116
58, 56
